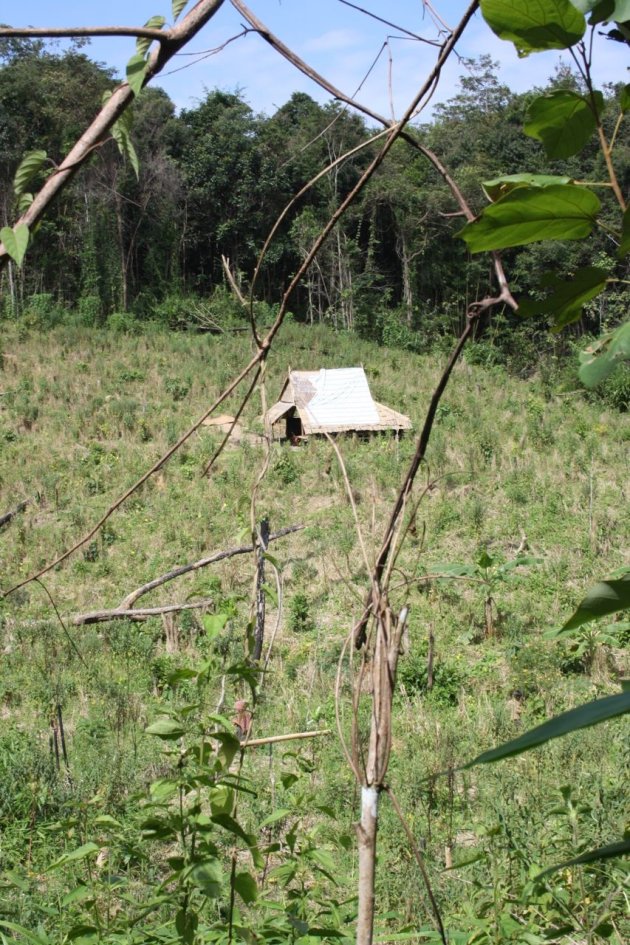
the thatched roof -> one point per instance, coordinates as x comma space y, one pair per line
336, 400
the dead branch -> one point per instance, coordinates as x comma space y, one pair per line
123, 613
272, 739
131, 598
67, 32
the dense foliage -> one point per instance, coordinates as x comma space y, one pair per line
212, 179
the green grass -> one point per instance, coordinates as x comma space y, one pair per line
83, 413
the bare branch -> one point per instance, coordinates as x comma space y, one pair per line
273, 739
100, 616
131, 598
68, 32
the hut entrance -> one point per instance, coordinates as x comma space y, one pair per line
294, 425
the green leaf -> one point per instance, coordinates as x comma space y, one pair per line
106, 820
607, 597
246, 887
186, 923
232, 826
601, 853
600, 359
143, 42
530, 214
82, 933
214, 624
563, 120
30, 165
178, 6
545, 24
624, 99
275, 816
567, 299
29, 936
604, 11
80, 894
121, 133
583, 716
497, 188
166, 729
208, 877
87, 849
184, 674
15, 241
136, 72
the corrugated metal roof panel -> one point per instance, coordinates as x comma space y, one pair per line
338, 397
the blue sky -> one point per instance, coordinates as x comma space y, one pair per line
337, 40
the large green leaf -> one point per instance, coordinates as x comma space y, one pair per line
583, 716
245, 885
603, 11
500, 186
563, 120
30, 165
121, 133
567, 298
208, 877
166, 729
624, 99
15, 241
143, 42
529, 214
607, 597
601, 358
178, 6
621, 848
81, 853
543, 24
136, 71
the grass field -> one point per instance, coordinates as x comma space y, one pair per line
515, 465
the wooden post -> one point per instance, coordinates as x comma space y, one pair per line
262, 545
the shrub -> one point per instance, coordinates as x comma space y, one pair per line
300, 618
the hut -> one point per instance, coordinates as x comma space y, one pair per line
331, 400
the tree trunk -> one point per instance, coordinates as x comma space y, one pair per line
366, 839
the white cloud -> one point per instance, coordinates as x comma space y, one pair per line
332, 41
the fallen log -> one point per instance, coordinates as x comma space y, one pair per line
124, 613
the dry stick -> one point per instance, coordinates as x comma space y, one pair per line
131, 598
232, 425
279, 589
171, 42
100, 616
272, 739
394, 26
68, 32
423, 442
419, 860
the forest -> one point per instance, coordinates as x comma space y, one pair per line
211, 178
343, 688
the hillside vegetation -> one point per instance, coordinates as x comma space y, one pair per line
99, 834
